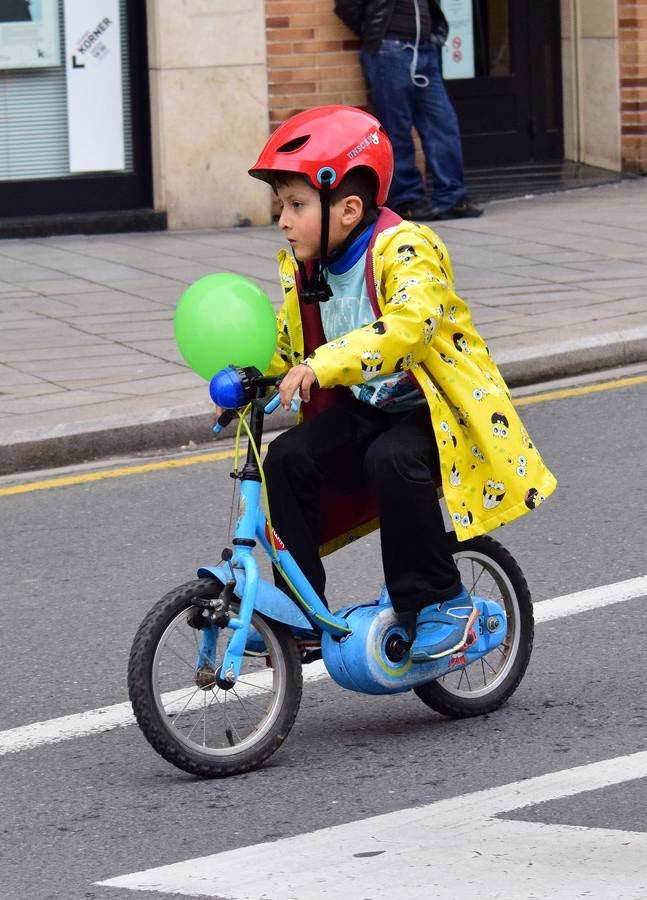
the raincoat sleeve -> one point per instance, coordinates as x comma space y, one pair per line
282, 358
413, 275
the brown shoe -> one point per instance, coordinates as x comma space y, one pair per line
420, 211
464, 209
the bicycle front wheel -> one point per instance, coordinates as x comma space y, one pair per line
187, 718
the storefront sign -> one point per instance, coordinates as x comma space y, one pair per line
29, 34
458, 52
94, 89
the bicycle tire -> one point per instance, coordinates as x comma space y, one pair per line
460, 694
157, 717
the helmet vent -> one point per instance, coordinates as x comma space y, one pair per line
293, 145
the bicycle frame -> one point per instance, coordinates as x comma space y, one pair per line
252, 527
344, 635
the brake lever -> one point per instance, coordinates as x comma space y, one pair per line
223, 420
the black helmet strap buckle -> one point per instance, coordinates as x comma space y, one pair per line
315, 289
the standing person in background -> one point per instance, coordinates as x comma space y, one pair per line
15, 11
400, 57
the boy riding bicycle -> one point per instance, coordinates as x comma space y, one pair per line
370, 311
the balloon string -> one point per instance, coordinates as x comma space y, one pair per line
236, 460
275, 555
250, 436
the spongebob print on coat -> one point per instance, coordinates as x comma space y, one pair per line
491, 471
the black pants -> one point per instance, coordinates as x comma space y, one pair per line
353, 444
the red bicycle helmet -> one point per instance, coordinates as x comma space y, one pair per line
325, 143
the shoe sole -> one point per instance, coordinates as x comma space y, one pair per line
445, 217
421, 656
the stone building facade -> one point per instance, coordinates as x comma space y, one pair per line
236, 76
205, 82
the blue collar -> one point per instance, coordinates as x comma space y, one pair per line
351, 254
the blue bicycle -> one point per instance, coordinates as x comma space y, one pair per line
215, 669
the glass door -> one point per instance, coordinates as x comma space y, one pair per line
510, 111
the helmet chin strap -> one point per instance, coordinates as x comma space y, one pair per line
315, 289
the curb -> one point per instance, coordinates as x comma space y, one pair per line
576, 356
172, 429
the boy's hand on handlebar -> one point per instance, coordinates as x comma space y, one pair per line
300, 378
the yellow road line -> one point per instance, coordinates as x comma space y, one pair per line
580, 391
124, 471
67, 480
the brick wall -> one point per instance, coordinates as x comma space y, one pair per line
312, 58
632, 22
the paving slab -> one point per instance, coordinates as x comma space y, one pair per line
89, 366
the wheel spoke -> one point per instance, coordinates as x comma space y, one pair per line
244, 705
476, 580
170, 699
184, 662
184, 708
255, 685
232, 726
199, 719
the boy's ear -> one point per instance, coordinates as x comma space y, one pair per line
353, 210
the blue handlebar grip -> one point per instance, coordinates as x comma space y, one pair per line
275, 401
225, 418
272, 403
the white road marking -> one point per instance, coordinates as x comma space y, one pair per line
95, 721
451, 849
584, 601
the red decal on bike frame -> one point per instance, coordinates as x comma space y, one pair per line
278, 543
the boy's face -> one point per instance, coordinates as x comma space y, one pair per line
300, 218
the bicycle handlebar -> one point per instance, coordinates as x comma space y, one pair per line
223, 420
274, 400
244, 383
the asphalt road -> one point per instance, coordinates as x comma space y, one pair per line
80, 565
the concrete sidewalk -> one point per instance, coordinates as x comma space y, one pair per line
89, 366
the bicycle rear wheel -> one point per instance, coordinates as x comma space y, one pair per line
488, 570
187, 718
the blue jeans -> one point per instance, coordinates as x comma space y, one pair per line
400, 106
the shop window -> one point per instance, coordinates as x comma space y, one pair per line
41, 128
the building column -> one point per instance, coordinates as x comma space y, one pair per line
209, 110
591, 82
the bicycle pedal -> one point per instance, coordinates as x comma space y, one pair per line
310, 651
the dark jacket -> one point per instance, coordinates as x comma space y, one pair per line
15, 11
369, 20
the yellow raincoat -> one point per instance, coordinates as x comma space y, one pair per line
491, 471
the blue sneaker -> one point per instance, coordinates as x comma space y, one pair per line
443, 628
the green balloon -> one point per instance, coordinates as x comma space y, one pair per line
223, 320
